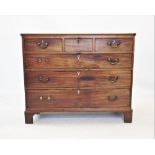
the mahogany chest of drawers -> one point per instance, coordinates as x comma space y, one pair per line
78, 73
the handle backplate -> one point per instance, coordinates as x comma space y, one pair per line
42, 44
43, 79
112, 98
113, 61
41, 60
112, 79
47, 98
114, 43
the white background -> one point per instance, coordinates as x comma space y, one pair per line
75, 126
77, 7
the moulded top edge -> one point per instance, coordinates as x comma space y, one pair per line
70, 34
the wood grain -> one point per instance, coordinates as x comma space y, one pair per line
78, 73
53, 45
64, 61
126, 45
78, 79
78, 45
71, 98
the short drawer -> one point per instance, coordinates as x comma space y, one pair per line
78, 79
114, 45
77, 61
77, 98
42, 45
78, 45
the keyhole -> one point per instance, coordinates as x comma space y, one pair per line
78, 92
78, 57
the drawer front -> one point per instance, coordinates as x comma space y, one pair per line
78, 79
78, 45
42, 45
105, 79
102, 61
114, 45
50, 61
77, 98
77, 61
51, 79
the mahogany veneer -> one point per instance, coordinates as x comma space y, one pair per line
78, 73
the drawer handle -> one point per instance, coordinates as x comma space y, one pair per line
40, 60
113, 61
112, 79
46, 59
112, 98
43, 44
44, 98
114, 43
48, 98
41, 98
43, 79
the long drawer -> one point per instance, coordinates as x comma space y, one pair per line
84, 98
80, 78
75, 61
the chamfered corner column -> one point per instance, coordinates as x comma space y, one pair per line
128, 116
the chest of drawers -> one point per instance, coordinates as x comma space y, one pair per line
78, 73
